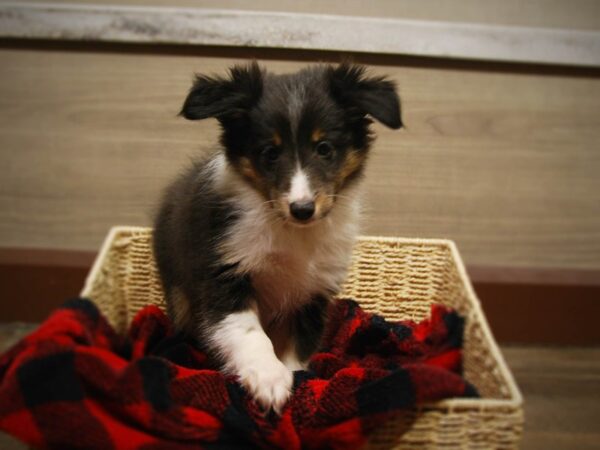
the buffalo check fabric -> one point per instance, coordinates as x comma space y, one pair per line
74, 383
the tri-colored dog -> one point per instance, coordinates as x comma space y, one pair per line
253, 242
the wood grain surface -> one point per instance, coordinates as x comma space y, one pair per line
506, 163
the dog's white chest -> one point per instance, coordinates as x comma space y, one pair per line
284, 281
289, 266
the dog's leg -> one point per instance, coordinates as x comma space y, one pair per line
248, 352
307, 330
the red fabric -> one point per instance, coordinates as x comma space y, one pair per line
73, 383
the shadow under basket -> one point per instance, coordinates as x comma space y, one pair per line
397, 278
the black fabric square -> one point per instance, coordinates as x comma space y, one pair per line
236, 418
374, 339
50, 379
302, 376
391, 392
180, 351
85, 306
229, 441
156, 379
470, 391
455, 326
402, 331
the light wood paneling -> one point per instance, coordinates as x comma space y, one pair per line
505, 163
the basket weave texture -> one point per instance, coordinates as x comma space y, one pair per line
397, 278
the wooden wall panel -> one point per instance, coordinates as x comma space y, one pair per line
504, 162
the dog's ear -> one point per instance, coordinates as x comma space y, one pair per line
224, 98
360, 95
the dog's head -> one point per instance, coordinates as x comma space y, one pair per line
298, 139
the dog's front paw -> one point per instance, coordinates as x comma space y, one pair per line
269, 383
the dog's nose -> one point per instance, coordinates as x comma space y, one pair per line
302, 210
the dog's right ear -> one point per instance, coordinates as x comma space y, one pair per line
224, 98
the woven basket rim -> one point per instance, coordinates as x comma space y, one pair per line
129, 229
515, 393
513, 402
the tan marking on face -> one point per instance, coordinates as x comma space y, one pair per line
323, 203
352, 163
276, 139
317, 135
248, 171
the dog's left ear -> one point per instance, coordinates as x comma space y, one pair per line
361, 95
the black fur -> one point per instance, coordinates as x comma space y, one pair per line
256, 109
308, 326
185, 239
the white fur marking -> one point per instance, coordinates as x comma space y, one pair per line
300, 189
249, 354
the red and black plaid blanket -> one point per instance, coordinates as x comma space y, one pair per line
73, 383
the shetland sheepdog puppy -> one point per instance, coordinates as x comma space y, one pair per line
254, 241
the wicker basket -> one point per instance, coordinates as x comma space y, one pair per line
398, 278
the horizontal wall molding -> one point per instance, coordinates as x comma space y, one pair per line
193, 26
524, 306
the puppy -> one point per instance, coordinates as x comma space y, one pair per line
253, 242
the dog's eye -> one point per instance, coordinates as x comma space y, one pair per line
271, 153
324, 149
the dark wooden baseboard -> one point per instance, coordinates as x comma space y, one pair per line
542, 314
540, 306
34, 281
529, 306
